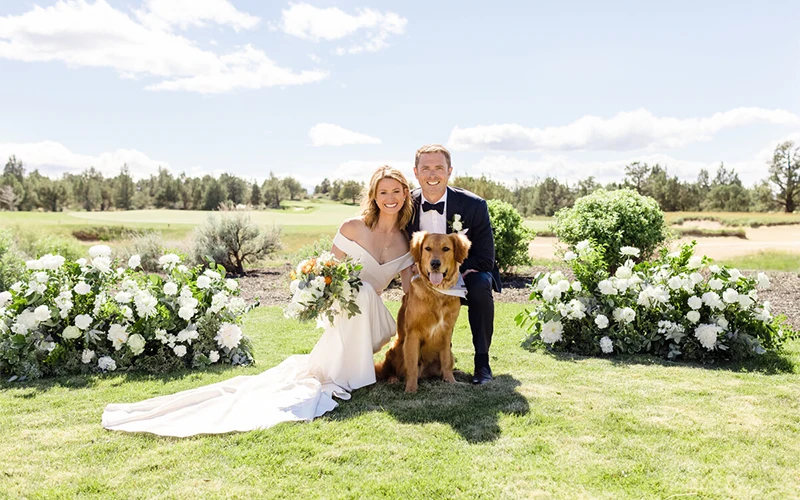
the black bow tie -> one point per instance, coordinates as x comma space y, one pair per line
439, 207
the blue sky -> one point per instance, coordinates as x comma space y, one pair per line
518, 90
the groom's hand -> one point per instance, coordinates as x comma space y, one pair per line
465, 273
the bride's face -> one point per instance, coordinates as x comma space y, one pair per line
390, 195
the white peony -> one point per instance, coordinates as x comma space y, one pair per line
82, 288
623, 273
100, 251
695, 302
707, 335
606, 345
107, 364
213, 356
102, 264
204, 282
601, 321
606, 288
551, 332
229, 335
134, 261
41, 313
118, 335
693, 316
712, 300
186, 312
696, 278
179, 350
212, 274
87, 356
123, 297
570, 256
695, 262
169, 260
624, 315
71, 332
231, 284
632, 251
83, 321
170, 288
675, 282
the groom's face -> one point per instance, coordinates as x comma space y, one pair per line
432, 172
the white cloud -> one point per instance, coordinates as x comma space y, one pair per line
162, 14
312, 23
328, 134
626, 131
54, 159
110, 38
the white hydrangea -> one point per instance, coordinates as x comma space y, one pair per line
606, 345
136, 344
624, 315
229, 335
601, 321
707, 335
551, 332
107, 364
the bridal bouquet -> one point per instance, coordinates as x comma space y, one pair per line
323, 287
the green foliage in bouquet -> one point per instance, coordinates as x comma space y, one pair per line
613, 219
511, 237
94, 315
676, 307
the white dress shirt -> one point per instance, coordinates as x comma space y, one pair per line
432, 221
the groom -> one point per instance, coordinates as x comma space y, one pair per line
435, 209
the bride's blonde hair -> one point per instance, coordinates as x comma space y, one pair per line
369, 207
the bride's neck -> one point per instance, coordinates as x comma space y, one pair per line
386, 223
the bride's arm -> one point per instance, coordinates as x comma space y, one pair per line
405, 279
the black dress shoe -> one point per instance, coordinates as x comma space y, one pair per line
483, 375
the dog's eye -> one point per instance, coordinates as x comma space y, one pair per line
428, 249
445, 249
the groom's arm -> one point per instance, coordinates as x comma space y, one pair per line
481, 255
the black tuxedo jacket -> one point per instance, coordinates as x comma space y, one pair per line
475, 218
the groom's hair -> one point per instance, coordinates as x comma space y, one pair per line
433, 148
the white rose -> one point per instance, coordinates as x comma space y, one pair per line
229, 335
601, 321
213, 356
82, 288
623, 273
675, 282
695, 302
231, 284
123, 297
71, 332
570, 256
118, 335
203, 282
722, 322
179, 350
734, 275
551, 332
696, 278
136, 344
763, 281
5, 298
715, 284
695, 262
41, 313
633, 251
730, 296
576, 286
693, 316
583, 245
169, 260
102, 264
212, 274
170, 288
134, 261
606, 288
186, 312
87, 356
83, 321
714, 269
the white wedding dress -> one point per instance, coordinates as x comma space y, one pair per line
300, 388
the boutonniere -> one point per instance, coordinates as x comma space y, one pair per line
457, 226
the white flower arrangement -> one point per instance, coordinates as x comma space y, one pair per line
107, 317
666, 307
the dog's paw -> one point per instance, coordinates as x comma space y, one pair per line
411, 388
449, 378
393, 380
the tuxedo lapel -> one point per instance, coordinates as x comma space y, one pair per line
451, 208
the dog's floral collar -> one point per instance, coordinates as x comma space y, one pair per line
457, 226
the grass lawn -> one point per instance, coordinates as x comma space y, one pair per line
766, 260
754, 219
548, 427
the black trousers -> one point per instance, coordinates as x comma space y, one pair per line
480, 305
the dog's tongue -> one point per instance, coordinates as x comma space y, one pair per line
436, 278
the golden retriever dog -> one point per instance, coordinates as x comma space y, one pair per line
422, 347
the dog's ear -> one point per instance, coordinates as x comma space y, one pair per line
416, 245
461, 246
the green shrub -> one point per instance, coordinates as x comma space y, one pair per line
148, 247
11, 262
33, 244
233, 240
104, 233
321, 245
613, 219
511, 237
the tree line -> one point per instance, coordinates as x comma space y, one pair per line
90, 190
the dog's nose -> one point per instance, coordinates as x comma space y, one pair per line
435, 263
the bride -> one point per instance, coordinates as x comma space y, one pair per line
302, 387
